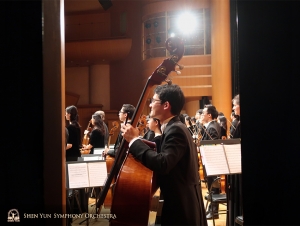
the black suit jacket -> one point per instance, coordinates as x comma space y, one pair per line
237, 132
149, 135
233, 127
176, 167
212, 132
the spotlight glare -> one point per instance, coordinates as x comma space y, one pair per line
187, 23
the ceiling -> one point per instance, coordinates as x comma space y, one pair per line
82, 6
79, 53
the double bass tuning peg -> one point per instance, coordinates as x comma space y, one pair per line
180, 68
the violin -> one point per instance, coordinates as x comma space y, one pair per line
142, 124
86, 138
135, 183
115, 126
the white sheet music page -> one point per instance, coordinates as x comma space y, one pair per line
233, 154
215, 160
97, 173
78, 175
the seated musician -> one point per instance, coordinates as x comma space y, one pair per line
176, 165
125, 113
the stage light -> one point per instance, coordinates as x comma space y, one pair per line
187, 23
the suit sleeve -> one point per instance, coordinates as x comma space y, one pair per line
213, 133
172, 151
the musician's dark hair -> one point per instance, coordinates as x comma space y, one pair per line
212, 110
99, 124
193, 119
72, 110
172, 94
129, 109
223, 122
236, 99
220, 114
158, 123
199, 111
182, 118
188, 118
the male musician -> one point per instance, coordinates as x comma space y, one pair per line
125, 113
234, 122
234, 191
102, 115
212, 131
176, 165
212, 128
236, 108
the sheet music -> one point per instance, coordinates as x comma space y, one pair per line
97, 173
91, 158
214, 160
233, 154
78, 175
98, 150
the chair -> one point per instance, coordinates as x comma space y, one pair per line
215, 198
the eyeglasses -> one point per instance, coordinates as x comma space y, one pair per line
153, 100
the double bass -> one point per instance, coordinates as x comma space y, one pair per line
135, 184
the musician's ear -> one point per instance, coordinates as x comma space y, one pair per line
166, 105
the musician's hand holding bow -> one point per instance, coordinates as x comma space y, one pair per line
129, 132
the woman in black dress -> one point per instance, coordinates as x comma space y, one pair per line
97, 134
74, 138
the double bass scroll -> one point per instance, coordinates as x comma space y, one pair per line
134, 185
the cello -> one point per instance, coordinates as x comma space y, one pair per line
135, 184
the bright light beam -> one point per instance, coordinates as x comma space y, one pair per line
187, 23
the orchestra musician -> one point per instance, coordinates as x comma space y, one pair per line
155, 127
74, 137
102, 115
234, 121
236, 108
125, 113
97, 135
176, 165
233, 186
223, 123
73, 146
212, 131
149, 134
